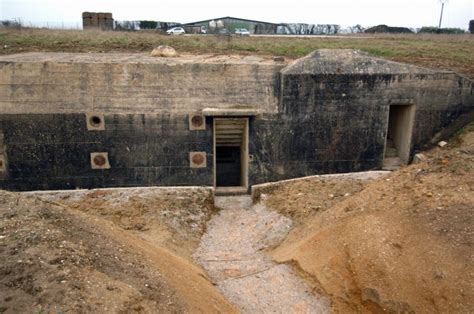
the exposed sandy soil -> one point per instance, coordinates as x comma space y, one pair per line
166, 217
403, 243
302, 198
55, 258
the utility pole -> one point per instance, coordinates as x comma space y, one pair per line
442, 9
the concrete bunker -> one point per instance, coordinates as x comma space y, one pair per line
200, 120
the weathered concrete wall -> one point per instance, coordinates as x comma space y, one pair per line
338, 123
326, 113
333, 114
52, 151
59, 83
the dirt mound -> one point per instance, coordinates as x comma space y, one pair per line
401, 244
171, 217
302, 199
54, 258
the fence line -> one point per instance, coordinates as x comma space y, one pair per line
19, 23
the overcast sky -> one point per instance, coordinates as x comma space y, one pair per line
410, 13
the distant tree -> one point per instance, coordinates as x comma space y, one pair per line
148, 24
356, 29
435, 30
16, 23
125, 25
471, 26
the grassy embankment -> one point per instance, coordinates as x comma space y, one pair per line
452, 52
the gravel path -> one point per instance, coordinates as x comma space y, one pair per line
231, 253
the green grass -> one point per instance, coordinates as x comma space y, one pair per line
455, 139
452, 52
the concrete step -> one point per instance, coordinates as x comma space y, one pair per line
389, 143
230, 190
391, 163
391, 152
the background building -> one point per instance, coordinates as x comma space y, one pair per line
231, 23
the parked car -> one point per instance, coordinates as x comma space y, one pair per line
242, 32
224, 31
175, 31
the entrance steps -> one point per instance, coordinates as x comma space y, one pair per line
391, 163
391, 160
230, 190
391, 152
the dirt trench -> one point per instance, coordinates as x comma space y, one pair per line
232, 253
399, 244
92, 252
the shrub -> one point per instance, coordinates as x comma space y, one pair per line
12, 23
435, 30
388, 29
148, 24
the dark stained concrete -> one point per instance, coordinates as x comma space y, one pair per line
325, 113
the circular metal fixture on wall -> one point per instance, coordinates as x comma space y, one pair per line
198, 159
197, 121
100, 160
95, 121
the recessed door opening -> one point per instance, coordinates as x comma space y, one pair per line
399, 133
231, 152
228, 166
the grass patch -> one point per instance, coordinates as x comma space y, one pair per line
240, 47
456, 138
450, 52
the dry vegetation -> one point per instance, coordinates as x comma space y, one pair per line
452, 52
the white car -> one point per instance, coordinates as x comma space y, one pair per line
175, 31
242, 32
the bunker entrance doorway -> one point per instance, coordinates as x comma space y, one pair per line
399, 134
231, 155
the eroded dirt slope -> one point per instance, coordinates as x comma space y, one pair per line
54, 258
174, 218
403, 243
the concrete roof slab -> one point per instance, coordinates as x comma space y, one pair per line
350, 62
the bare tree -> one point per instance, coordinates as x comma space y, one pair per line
442, 9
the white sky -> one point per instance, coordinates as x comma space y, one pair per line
409, 13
